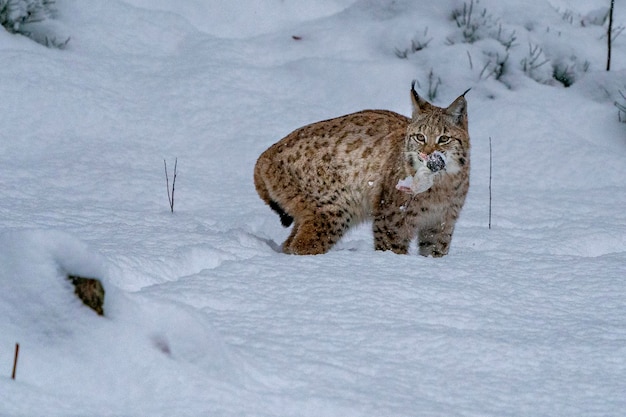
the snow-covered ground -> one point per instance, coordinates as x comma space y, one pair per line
203, 317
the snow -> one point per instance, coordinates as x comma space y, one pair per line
204, 317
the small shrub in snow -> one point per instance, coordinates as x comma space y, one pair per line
569, 16
621, 107
573, 18
472, 24
564, 74
493, 50
418, 43
534, 65
28, 18
568, 71
505, 37
495, 66
478, 25
596, 17
433, 86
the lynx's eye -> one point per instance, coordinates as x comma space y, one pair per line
419, 138
443, 139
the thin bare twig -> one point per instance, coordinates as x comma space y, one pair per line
490, 169
17, 351
170, 197
608, 36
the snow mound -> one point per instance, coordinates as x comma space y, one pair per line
109, 354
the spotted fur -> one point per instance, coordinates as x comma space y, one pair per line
331, 175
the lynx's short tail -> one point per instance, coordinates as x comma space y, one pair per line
285, 219
259, 183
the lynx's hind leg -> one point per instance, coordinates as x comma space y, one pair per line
315, 234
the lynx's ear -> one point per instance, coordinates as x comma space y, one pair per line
457, 111
419, 104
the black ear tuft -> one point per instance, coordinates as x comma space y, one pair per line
419, 104
416, 96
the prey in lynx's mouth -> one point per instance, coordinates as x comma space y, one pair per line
427, 167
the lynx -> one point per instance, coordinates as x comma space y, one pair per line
409, 176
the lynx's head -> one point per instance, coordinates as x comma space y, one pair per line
435, 129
